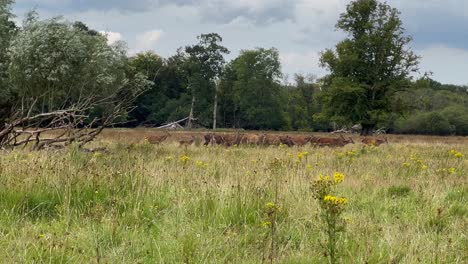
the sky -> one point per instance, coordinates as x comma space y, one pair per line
299, 29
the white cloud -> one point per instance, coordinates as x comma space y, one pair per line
302, 62
448, 64
148, 40
112, 37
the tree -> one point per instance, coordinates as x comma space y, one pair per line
54, 62
7, 32
255, 98
366, 68
206, 64
301, 105
64, 78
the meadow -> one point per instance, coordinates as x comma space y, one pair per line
407, 202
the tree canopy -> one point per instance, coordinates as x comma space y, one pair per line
373, 62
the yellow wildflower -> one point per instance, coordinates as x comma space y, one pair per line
323, 178
452, 152
452, 170
201, 164
169, 158
339, 177
302, 155
458, 155
266, 224
184, 158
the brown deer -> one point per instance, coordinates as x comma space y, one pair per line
251, 139
187, 142
213, 138
231, 140
374, 141
331, 142
157, 139
286, 140
301, 140
268, 140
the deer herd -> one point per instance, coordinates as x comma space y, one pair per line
251, 139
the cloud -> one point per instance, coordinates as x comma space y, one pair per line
220, 11
302, 62
85, 5
112, 37
148, 40
448, 64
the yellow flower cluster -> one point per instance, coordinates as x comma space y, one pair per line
338, 177
169, 158
455, 154
451, 170
335, 200
184, 158
323, 178
272, 207
418, 163
302, 155
201, 164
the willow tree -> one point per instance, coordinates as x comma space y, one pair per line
368, 66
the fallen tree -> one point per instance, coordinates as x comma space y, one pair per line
60, 128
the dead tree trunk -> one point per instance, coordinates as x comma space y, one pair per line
60, 128
189, 123
215, 106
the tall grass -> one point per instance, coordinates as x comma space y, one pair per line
144, 204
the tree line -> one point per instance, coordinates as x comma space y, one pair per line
56, 62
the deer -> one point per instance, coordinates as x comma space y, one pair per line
301, 140
286, 140
157, 139
213, 138
331, 142
374, 141
187, 142
231, 140
251, 139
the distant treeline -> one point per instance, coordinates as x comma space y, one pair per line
56, 62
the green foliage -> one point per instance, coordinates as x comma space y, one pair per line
368, 66
254, 98
432, 123
7, 31
57, 62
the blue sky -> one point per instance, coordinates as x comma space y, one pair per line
300, 29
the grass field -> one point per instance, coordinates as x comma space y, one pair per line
142, 203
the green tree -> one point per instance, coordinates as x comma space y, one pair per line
301, 104
56, 63
7, 32
255, 98
366, 68
206, 64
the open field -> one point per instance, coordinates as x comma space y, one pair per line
142, 203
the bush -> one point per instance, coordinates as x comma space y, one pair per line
431, 123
